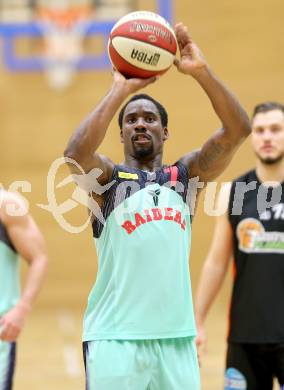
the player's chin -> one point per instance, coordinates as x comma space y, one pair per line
270, 159
143, 151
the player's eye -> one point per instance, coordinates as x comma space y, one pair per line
275, 129
258, 130
131, 120
150, 119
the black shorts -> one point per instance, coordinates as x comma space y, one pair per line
7, 364
254, 366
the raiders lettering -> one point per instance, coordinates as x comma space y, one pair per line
145, 58
155, 214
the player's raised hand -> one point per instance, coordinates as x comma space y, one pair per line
131, 85
191, 58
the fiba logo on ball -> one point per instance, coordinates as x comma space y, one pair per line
140, 56
142, 44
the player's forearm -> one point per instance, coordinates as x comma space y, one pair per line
211, 280
86, 140
234, 119
34, 281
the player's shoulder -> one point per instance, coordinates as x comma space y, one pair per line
238, 186
12, 204
106, 159
10, 197
188, 159
245, 177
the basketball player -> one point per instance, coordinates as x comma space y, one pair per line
253, 234
139, 324
19, 235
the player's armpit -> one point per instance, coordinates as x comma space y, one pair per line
102, 165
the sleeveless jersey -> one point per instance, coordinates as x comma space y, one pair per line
256, 312
9, 272
142, 290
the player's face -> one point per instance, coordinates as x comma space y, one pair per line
268, 136
142, 132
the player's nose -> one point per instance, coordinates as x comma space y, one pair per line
140, 124
267, 135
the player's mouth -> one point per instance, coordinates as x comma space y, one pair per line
267, 148
141, 139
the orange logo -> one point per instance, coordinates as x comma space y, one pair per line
247, 230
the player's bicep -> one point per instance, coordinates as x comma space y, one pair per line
211, 159
26, 237
22, 230
222, 243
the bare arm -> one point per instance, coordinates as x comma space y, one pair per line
216, 153
214, 270
84, 143
30, 245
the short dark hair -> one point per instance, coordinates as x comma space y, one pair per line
267, 106
162, 111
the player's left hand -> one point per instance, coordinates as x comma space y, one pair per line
191, 61
12, 322
132, 85
201, 343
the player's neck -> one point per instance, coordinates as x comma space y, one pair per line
270, 172
150, 165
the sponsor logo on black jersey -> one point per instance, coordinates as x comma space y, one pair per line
253, 238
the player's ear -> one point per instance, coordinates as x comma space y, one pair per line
166, 133
121, 136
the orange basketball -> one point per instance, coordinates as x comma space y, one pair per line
142, 44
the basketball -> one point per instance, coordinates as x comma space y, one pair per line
142, 44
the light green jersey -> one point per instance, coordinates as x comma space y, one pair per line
9, 273
143, 288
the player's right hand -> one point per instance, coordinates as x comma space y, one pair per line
12, 322
130, 86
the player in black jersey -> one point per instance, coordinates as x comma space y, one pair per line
252, 232
19, 236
